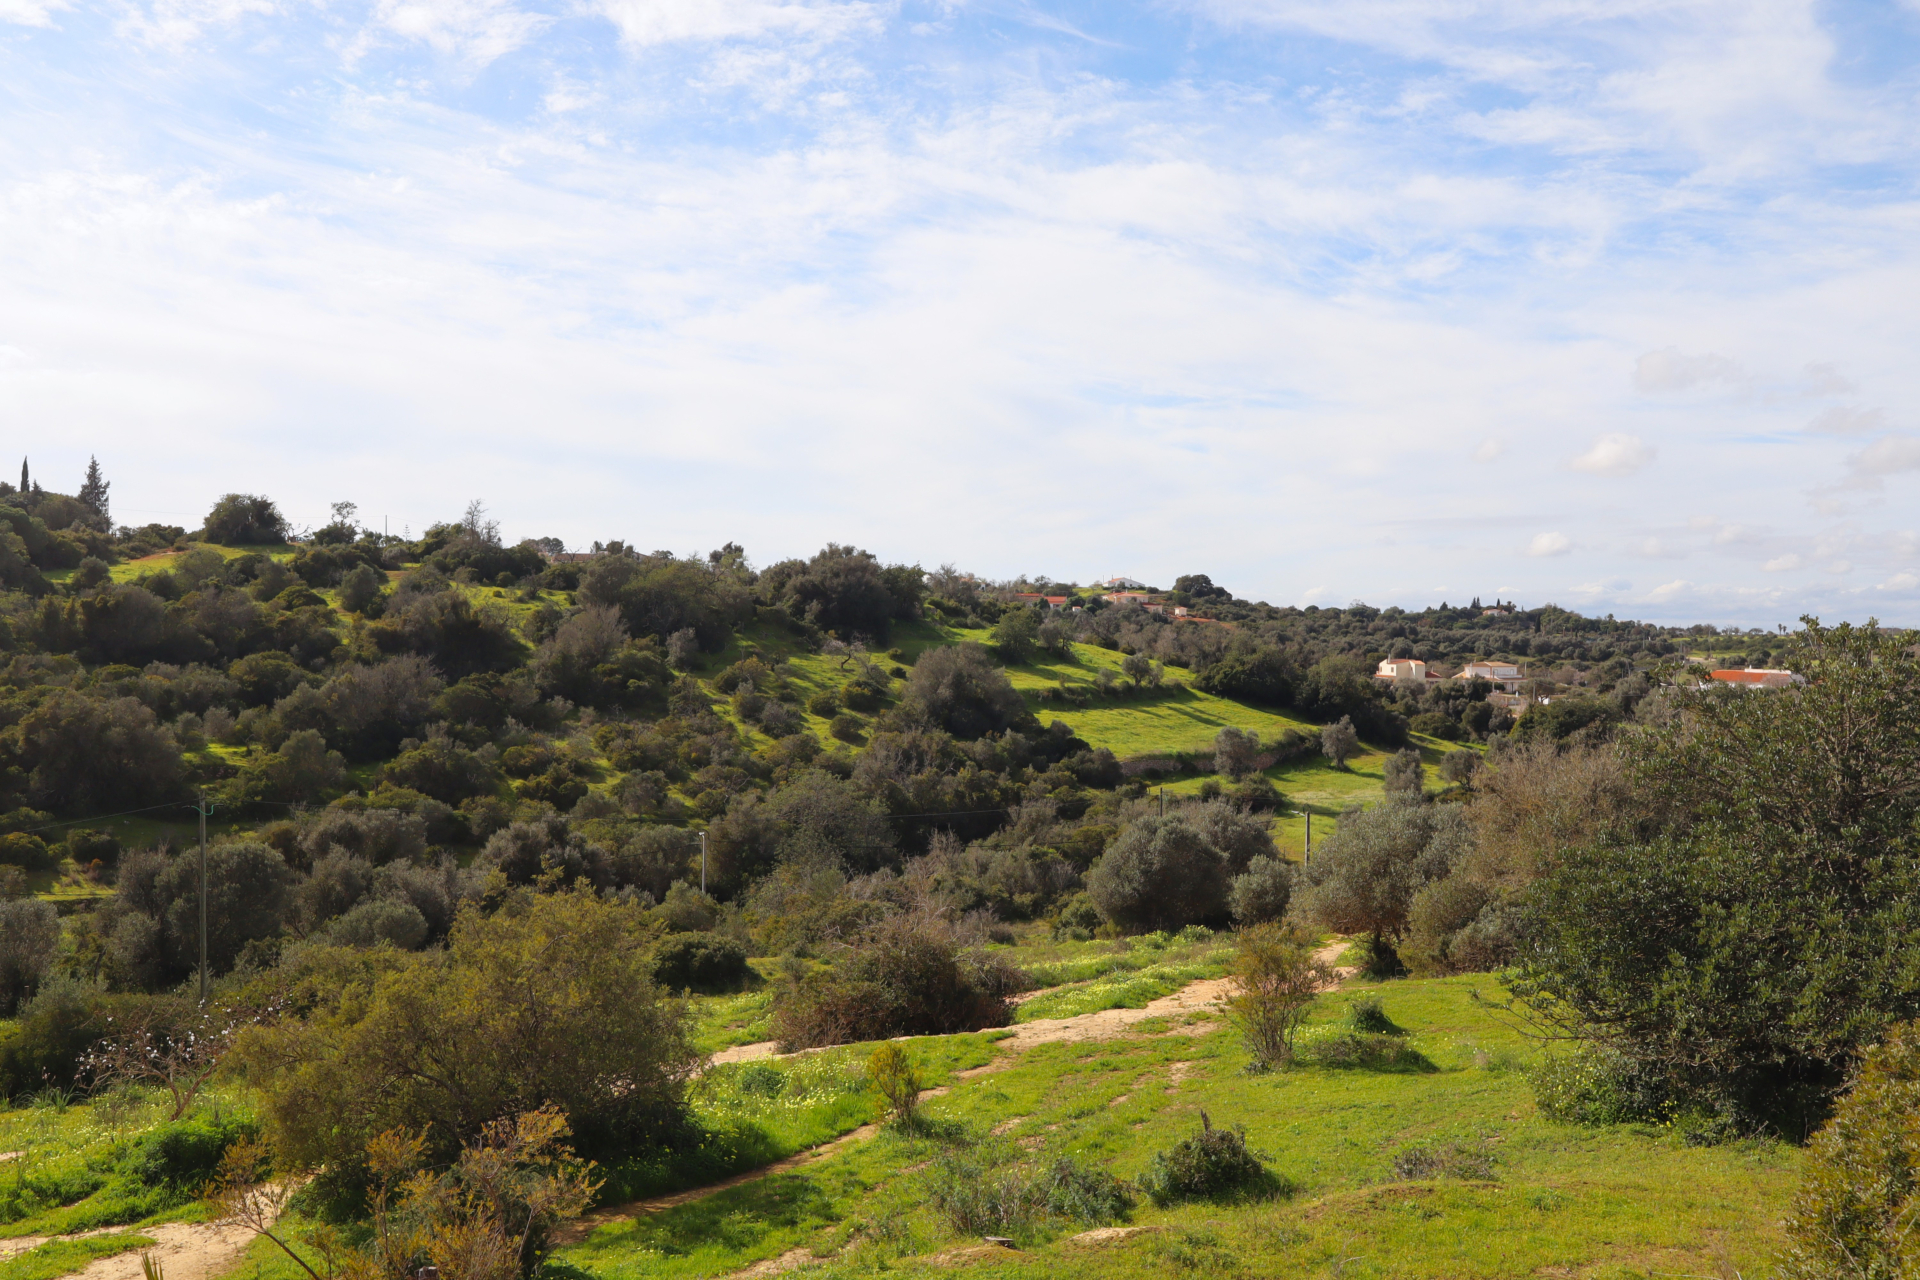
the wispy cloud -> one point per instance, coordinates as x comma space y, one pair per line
1614, 454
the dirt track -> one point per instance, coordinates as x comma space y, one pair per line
1201, 998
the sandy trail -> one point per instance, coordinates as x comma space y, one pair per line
184, 1250
1200, 998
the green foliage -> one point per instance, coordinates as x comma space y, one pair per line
701, 961
551, 999
1210, 1164
1161, 873
241, 519
63, 1257
1368, 1015
28, 852
1854, 1212
958, 689
890, 1073
1276, 979
1749, 934
1364, 878
905, 977
1592, 1085
184, 1155
981, 1186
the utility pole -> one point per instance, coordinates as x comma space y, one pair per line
1163, 802
1307, 855
703, 864
203, 809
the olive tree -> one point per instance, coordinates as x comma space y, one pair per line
1339, 740
1236, 752
1160, 873
1364, 877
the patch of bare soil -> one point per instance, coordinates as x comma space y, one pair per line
184, 1250
1111, 1235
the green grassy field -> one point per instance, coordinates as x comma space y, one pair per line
1633, 1201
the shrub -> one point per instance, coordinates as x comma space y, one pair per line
891, 1075
981, 1188
1211, 1163
184, 1155
1369, 1050
1262, 893
1853, 1214
845, 727
826, 704
1446, 1158
1594, 1085
904, 977
29, 942
957, 688
1161, 873
702, 962
550, 999
383, 920
1276, 978
1081, 1194
1367, 1015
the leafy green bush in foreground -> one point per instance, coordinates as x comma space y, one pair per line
1212, 1162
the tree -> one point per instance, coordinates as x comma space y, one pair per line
1364, 877
1262, 892
1199, 586
1136, 667
1457, 768
98, 754
1339, 740
958, 688
302, 771
239, 519
1276, 978
846, 590
1236, 752
1404, 773
360, 588
246, 899
1741, 946
550, 1000
1160, 873
1016, 634
29, 942
93, 494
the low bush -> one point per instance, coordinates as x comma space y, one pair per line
185, 1155
891, 1075
986, 1187
1213, 1162
904, 977
1365, 1014
1854, 1212
1344, 1047
708, 962
1446, 1158
1593, 1085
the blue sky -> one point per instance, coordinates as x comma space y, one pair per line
1611, 304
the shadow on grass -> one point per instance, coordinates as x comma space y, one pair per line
701, 1159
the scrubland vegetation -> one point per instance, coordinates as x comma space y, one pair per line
506, 847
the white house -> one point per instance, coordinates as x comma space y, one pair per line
1123, 584
1504, 674
1401, 669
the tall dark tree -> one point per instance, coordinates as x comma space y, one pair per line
93, 491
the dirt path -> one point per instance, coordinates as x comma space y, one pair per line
1201, 997
184, 1250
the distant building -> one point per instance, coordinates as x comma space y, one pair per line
1402, 669
1504, 674
1118, 584
1758, 677
1034, 597
1129, 597
569, 557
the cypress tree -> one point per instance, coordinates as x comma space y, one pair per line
94, 491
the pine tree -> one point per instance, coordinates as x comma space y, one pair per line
94, 491
24, 486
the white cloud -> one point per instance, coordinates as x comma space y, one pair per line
176, 23
1848, 420
1614, 454
1490, 448
477, 31
1549, 544
31, 13
651, 22
1782, 564
1840, 567
1902, 581
1669, 591
1889, 455
1670, 369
